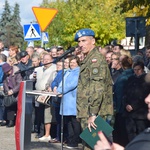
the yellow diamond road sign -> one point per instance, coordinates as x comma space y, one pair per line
44, 16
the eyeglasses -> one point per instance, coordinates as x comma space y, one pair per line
137, 69
115, 59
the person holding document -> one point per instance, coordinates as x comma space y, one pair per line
94, 94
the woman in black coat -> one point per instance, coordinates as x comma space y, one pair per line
11, 85
135, 107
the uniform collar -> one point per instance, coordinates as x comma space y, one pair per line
89, 55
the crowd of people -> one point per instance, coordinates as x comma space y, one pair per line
91, 81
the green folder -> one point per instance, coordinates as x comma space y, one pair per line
92, 137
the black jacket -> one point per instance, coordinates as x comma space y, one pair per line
25, 71
136, 91
140, 142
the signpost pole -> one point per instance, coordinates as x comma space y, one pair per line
42, 40
136, 37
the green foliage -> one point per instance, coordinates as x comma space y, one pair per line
103, 16
10, 28
130, 4
5, 23
18, 33
142, 7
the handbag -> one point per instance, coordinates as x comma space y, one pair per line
44, 99
9, 100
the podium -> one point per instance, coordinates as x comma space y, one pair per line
24, 114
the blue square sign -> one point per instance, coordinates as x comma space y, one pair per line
45, 37
32, 32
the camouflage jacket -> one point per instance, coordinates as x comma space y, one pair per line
94, 93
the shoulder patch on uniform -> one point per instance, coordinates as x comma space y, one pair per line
94, 60
95, 71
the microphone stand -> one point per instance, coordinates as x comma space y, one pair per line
62, 57
62, 104
62, 117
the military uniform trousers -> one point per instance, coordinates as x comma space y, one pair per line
84, 125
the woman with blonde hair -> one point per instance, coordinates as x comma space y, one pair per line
42, 54
116, 68
124, 53
11, 60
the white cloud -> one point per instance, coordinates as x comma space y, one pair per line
26, 13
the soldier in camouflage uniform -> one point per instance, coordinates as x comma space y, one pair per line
94, 95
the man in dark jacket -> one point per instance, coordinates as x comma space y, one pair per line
135, 107
24, 65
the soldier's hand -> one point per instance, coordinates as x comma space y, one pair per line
91, 123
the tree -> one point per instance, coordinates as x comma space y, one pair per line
140, 5
15, 24
5, 26
136, 8
10, 28
103, 16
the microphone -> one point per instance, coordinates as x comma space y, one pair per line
72, 49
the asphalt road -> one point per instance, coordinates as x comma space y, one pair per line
7, 141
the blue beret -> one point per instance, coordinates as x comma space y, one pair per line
84, 32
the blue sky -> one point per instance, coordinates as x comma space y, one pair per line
26, 13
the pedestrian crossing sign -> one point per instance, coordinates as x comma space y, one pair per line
32, 32
45, 37
30, 43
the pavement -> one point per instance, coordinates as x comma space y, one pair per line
7, 141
